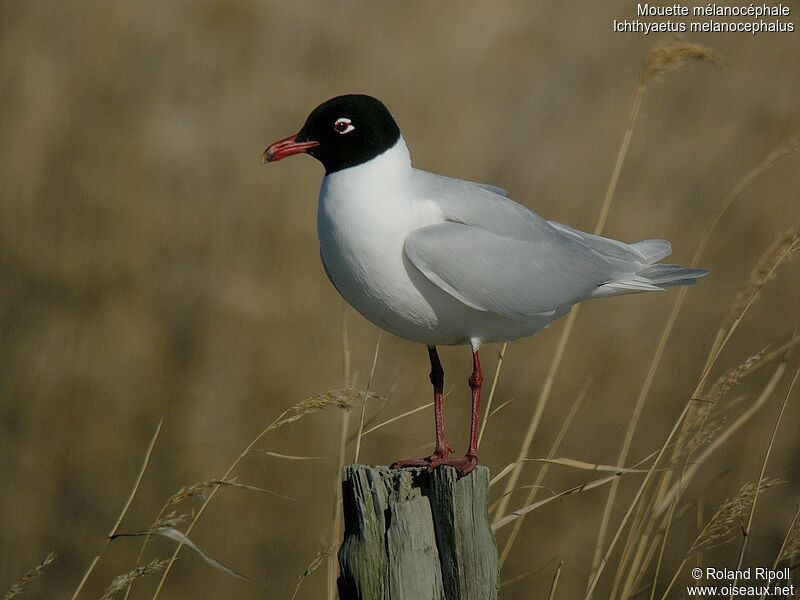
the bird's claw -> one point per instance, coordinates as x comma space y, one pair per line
439, 454
463, 464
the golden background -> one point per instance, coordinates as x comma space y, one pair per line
151, 267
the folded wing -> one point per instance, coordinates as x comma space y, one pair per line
495, 255
503, 275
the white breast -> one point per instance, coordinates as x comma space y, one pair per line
365, 214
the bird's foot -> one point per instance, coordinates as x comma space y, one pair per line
463, 464
438, 455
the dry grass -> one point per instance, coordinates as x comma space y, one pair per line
123, 582
152, 267
315, 564
727, 522
18, 587
660, 60
790, 548
672, 56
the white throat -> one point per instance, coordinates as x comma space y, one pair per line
393, 165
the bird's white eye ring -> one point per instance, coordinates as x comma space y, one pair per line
343, 125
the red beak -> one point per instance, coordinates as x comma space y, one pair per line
286, 147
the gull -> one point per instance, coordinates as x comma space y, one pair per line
443, 261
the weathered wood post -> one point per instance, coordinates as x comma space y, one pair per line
414, 535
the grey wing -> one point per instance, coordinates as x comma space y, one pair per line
434, 180
496, 255
624, 255
483, 186
506, 275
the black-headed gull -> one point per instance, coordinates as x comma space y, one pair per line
438, 260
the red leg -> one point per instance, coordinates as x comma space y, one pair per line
467, 463
442, 449
475, 384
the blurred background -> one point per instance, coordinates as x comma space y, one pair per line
151, 266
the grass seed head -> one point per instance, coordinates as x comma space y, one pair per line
18, 586
315, 563
706, 434
730, 516
173, 519
122, 581
201, 489
782, 250
669, 57
791, 549
733, 377
343, 399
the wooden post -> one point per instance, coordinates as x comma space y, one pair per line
414, 535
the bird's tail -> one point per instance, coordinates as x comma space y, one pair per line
651, 277
665, 276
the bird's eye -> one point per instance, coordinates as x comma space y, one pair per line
343, 125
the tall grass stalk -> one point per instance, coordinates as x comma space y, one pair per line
336, 521
746, 530
783, 150
543, 471
644, 543
360, 434
337, 486
340, 398
660, 60
533, 426
488, 411
780, 252
726, 520
315, 563
647, 539
122, 513
791, 531
396, 418
727, 433
18, 587
554, 584
604, 560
